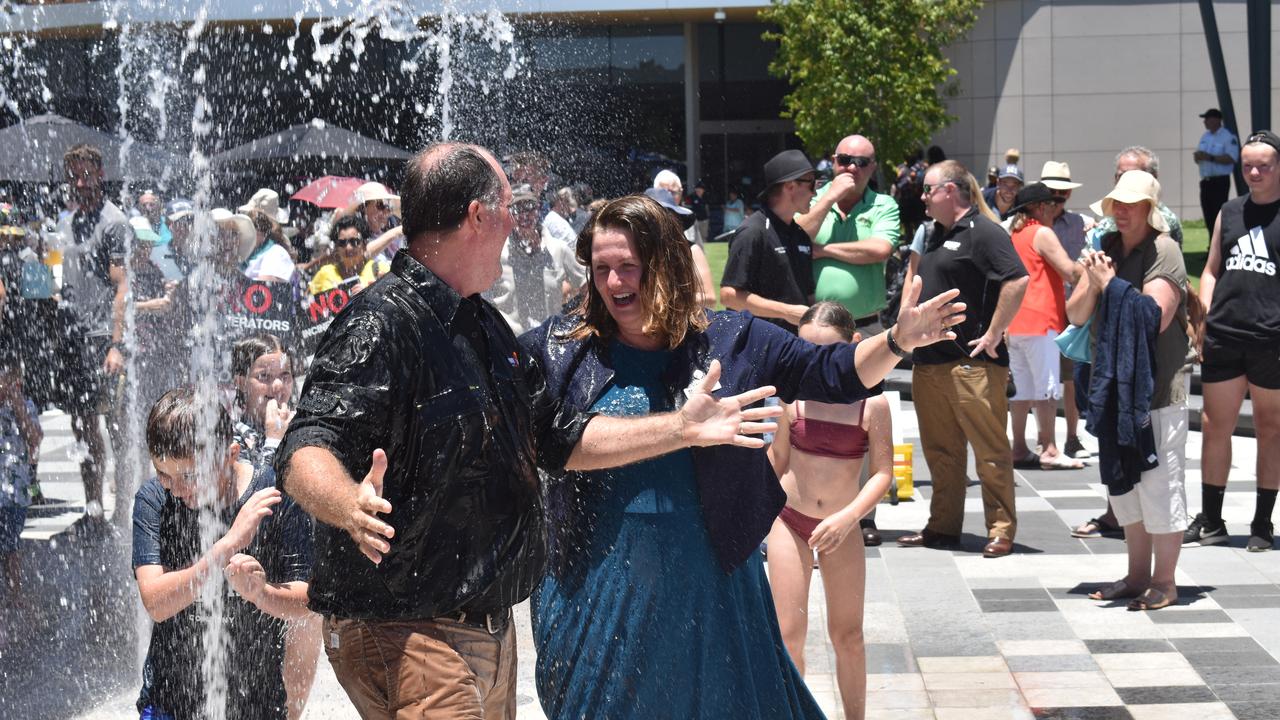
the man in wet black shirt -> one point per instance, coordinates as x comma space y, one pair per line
420, 388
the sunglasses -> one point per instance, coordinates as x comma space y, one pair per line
379, 205
811, 181
348, 242
860, 161
928, 189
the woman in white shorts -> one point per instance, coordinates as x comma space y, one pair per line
1152, 510
1033, 356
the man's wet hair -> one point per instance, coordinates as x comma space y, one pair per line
172, 424
439, 185
83, 152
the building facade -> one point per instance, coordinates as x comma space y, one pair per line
614, 89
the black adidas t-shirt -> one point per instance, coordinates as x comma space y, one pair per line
1245, 307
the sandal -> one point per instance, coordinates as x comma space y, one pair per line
1060, 462
1096, 527
1118, 590
1152, 599
1030, 462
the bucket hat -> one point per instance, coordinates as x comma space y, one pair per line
1135, 186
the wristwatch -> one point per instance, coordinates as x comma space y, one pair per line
894, 347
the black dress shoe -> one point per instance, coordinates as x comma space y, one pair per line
998, 547
930, 539
870, 534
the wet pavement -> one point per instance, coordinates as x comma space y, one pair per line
949, 634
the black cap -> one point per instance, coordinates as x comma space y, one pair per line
664, 198
1030, 195
1212, 113
786, 165
1266, 137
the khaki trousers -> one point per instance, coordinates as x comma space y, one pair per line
424, 669
958, 403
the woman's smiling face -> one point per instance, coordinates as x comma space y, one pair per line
617, 273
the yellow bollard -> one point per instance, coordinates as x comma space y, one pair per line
902, 471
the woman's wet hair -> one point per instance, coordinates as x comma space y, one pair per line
833, 315
669, 282
173, 422
248, 349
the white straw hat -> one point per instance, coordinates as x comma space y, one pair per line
242, 225
1057, 175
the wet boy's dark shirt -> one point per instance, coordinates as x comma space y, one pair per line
438, 382
167, 533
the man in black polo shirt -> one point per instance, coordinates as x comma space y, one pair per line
959, 386
420, 388
770, 268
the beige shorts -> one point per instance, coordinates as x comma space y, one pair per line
1159, 500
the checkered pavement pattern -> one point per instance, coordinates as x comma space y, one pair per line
951, 635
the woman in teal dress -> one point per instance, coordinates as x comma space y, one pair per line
657, 605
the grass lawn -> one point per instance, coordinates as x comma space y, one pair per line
1195, 249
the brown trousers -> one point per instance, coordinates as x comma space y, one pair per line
424, 669
963, 402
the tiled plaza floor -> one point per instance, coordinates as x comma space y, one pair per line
953, 635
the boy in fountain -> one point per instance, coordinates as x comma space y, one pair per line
263, 548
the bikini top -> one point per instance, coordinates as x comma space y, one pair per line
829, 439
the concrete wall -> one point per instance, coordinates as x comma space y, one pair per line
1076, 81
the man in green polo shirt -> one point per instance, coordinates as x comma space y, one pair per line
854, 231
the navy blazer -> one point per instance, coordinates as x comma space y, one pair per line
737, 488
1121, 385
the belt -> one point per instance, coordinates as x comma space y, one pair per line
495, 623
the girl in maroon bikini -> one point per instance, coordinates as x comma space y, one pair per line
818, 454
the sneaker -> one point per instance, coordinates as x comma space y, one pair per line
1074, 449
1261, 538
1203, 532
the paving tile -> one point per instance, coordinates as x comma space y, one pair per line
1153, 678
1191, 646
1175, 694
899, 714
1218, 676
984, 713
889, 658
979, 664
1083, 713
975, 698
1248, 603
1247, 659
1255, 710
1128, 646
1142, 661
1071, 697
1182, 711
894, 682
999, 606
1266, 692
968, 680
898, 699
1220, 591
1011, 648
1051, 663
1057, 680
1190, 616
1037, 593
1206, 630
